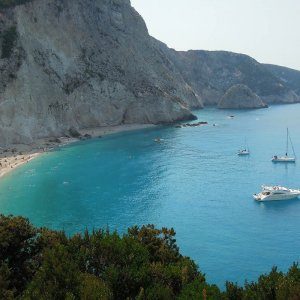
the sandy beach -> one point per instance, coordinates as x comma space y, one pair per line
13, 156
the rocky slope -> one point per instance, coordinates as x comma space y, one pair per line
241, 97
212, 73
84, 63
290, 77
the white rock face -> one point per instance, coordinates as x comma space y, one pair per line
240, 96
85, 63
89, 63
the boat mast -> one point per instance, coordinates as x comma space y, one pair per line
247, 146
292, 146
287, 142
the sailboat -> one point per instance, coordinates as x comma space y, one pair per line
286, 158
244, 151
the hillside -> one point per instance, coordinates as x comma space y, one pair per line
82, 64
212, 73
289, 76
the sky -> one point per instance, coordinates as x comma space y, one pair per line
267, 30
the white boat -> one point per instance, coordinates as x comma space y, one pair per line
244, 151
286, 158
277, 192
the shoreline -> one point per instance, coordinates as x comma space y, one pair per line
14, 156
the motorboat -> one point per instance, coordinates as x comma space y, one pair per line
277, 192
286, 158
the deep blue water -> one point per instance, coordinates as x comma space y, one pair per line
192, 181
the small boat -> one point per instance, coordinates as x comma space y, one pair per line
244, 152
277, 192
286, 158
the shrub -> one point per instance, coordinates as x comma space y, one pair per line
12, 3
144, 264
9, 38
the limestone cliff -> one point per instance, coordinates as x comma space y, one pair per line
212, 73
83, 63
240, 96
289, 76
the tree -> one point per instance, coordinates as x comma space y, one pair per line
144, 264
160, 243
57, 278
93, 288
19, 250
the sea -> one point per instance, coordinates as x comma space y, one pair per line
192, 180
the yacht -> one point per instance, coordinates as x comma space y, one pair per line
277, 192
286, 158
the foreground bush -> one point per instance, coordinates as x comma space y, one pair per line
145, 263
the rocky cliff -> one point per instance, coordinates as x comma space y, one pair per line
290, 77
212, 73
85, 63
241, 97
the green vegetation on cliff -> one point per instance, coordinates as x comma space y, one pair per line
9, 37
12, 3
145, 263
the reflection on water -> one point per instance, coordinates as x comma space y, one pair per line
279, 206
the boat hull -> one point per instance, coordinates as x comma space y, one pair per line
262, 198
284, 159
243, 153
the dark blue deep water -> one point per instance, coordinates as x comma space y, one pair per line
192, 181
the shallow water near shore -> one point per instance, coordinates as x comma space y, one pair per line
192, 180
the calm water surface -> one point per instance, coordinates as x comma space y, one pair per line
192, 181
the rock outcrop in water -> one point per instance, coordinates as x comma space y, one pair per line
84, 63
241, 97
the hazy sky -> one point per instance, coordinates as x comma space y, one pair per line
267, 30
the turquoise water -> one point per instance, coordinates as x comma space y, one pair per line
192, 181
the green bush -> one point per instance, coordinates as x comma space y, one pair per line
42, 264
144, 264
9, 38
12, 3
